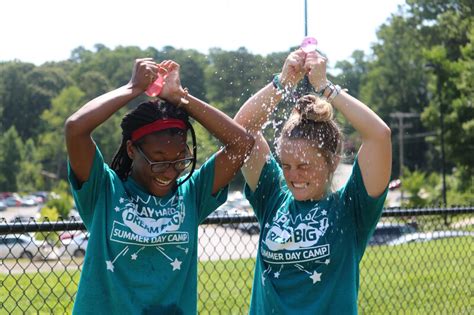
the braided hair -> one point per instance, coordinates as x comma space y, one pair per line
144, 114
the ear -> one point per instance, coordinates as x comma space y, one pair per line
130, 151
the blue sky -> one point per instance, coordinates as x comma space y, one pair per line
48, 30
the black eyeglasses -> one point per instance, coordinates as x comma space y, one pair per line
158, 167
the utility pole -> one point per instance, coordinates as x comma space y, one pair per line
401, 129
440, 78
305, 18
443, 161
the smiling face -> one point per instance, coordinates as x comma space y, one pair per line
305, 168
157, 147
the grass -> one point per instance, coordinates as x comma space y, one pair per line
38, 293
419, 278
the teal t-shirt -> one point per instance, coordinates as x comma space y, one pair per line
141, 256
309, 251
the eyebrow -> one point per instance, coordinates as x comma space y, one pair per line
158, 151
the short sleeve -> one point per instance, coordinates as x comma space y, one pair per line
269, 187
202, 182
366, 209
86, 194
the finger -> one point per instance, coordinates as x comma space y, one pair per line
141, 61
165, 63
321, 54
166, 66
162, 71
301, 53
152, 71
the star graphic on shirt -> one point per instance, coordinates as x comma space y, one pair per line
110, 265
134, 256
316, 277
324, 212
277, 274
122, 200
327, 261
267, 225
176, 264
117, 209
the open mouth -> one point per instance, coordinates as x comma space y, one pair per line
299, 185
162, 182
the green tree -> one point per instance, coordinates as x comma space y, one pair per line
352, 72
232, 77
453, 94
14, 99
51, 142
27, 91
29, 177
10, 159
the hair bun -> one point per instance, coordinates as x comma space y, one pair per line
314, 108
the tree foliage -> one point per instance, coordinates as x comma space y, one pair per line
422, 63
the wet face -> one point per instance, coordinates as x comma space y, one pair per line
305, 169
159, 147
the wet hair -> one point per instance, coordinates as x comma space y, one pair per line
312, 119
144, 114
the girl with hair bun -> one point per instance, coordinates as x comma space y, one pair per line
141, 213
312, 238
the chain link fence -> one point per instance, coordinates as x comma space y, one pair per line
418, 261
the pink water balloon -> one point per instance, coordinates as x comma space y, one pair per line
309, 44
154, 89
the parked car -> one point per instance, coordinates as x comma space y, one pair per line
3, 205
70, 234
24, 246
388, 231
30, 200
251, 228
74, 246
394, 184
226, 211
13, 201
429, 236
42, 196
22, 218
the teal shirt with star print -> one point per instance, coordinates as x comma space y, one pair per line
141, 256
309, 251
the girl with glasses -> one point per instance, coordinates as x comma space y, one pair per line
142, 214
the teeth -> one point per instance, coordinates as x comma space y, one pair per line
162, 182
300, 185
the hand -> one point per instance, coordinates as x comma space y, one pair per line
293, 69
315, 66
145, 71
172, 90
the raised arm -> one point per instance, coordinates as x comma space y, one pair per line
256, 111
237, 142
375, 153
79, 126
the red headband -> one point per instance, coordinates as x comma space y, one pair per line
157, 125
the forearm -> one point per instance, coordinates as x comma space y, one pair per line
361, 117
98, 110
217, 123
257, 109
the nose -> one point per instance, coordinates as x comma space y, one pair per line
170, 172
292, 174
